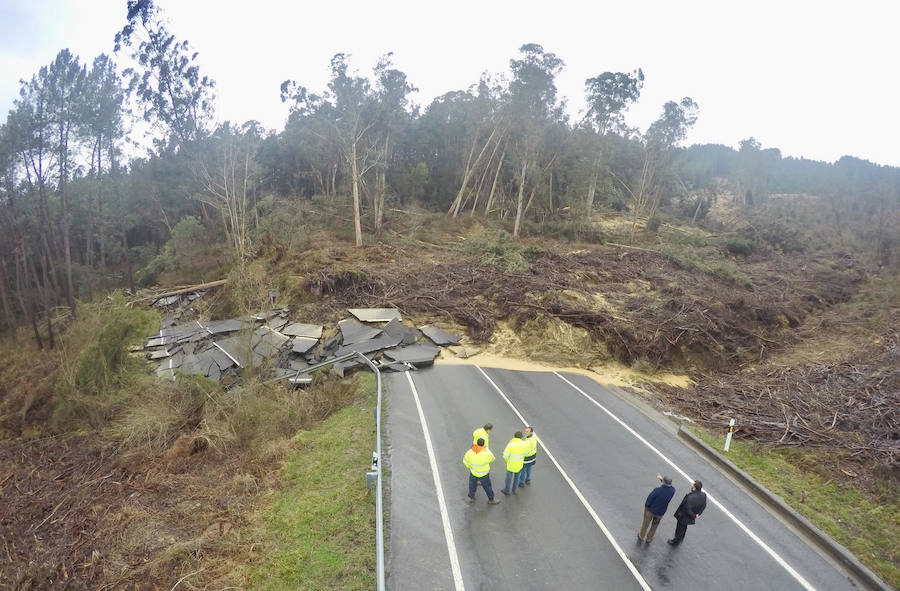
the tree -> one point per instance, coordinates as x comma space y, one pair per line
103, 124
167, 81
229, 174
392, 95
533, 106
657, 147
64, 79
608, 96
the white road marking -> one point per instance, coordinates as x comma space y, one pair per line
442, 504
580, 496
740, 524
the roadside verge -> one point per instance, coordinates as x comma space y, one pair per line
836, 551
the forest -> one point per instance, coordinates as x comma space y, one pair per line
89, 205
492, 209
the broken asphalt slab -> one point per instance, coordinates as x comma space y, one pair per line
376, 314
354, 331
438, 336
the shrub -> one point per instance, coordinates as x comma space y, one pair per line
189, 239
101, 362
500, 249
575, 229
162, 262
740, 246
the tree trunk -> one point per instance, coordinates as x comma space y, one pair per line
64, 216
46, 298
521, 199
7, 310
457, 203
101, 222
592, 187
354, 173
381, 188
127, 259
490, 201
484, 175
24, 299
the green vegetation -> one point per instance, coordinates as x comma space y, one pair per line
866, 524
320, 530
103, 360
707, 260
499, 248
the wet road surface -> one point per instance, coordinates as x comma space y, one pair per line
575, 526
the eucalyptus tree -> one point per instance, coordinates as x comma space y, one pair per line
391, 94
32, 131
166, 79
608, 96
350, 109
230, 176
657, 147
103, 127
65, 81
533, 107
485, 127
305, 158
8, 222
355, 117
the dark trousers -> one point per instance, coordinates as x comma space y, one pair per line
485, 483
680, 530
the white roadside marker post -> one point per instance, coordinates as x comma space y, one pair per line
728, 437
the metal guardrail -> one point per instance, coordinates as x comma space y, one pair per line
374, 472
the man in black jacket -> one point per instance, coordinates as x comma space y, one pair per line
689, 511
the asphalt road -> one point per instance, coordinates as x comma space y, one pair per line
575, 527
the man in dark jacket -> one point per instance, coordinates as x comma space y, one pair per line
689, 511
655, 507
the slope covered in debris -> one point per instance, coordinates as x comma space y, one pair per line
171, 468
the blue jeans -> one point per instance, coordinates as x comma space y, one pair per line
485, 482
525, 474
512, 479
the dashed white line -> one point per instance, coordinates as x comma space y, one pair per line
746, 530
590, 510
442, 504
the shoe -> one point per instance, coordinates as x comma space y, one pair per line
513, 492
528, 481
672, 542
646, 542
494, 502
504, 491
470, 500
640, 539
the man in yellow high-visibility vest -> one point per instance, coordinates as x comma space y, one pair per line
530, 456
478, 461
482, 433
514, 454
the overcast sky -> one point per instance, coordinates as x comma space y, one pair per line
816, 79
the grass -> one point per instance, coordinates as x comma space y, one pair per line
867, 525
320, 527
706, 260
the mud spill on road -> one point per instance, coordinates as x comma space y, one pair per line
609, 373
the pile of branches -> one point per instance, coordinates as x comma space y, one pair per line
688, 319
852, 405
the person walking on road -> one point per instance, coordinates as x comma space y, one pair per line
689, 511
514, 454
655, 507
530, 454
482, 433
478, 461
